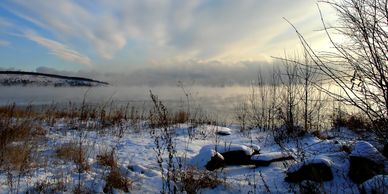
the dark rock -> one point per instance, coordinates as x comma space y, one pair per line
228, 158
318, 172
261, 162
385, 150
236, 158
377, 184
216, 162
223, 133
362, 169
365, 162
216, 156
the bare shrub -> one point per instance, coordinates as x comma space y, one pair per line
45, 186
354, 121
310, 187
358, 64
82, 190
107, 159
241, 112
338, 119
164, 145
117, 181
357, 122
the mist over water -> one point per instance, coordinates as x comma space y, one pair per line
218, 101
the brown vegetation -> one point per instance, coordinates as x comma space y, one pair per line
193, 180
117, 181
73, 152
107, 159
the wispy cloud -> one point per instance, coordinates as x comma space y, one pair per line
201, 29
59, 49
4, 43
4, 23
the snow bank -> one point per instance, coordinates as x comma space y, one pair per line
377, 184
366, 150
314, 160
267, 157
208, 151
217, 129
144, 170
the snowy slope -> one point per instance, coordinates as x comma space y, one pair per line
137, 160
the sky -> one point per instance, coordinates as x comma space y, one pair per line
155, 41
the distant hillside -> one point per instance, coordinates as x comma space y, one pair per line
21, 78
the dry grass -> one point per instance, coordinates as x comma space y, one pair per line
17, 130
17, 157
117, 181
193, 180
180, 117
73, 152
107, 159
49, 187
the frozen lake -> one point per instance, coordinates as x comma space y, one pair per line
211, 99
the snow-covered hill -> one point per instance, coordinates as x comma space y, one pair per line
19, 78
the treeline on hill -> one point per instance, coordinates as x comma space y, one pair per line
64, 80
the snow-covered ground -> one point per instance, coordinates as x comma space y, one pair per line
137, 159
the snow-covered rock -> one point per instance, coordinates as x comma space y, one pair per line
216, 162
208, 151
377, 184
365, 162
256, 148
364, 149
266, 158
317, 168
216, 129
270, 156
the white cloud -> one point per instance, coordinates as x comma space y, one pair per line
59, 49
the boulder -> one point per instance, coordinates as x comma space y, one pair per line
315, 169
377, 184
217, 156
365, 162
267, 158
218, 130
366, 150
217, 161
223, 131
238, 157
362, 169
